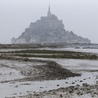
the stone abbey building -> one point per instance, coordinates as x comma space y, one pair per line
49, 29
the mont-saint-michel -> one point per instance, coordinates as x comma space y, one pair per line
46, 60
48, 29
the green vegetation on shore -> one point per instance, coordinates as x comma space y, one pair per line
49, 54
55, 54
60, 56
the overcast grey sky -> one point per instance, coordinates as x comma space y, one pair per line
80, 16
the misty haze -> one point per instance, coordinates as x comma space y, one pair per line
48, 49
77, 16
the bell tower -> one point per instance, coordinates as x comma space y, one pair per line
49, 11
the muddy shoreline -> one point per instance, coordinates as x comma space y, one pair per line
44, 78
69, 92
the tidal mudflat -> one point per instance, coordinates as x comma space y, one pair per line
23, 76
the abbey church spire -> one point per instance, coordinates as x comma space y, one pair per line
49, 11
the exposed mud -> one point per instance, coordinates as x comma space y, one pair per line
37, 71
21, 77
89, 91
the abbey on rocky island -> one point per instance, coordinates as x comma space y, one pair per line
49, 29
